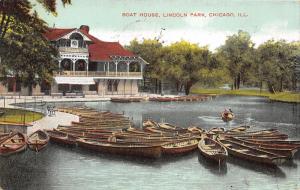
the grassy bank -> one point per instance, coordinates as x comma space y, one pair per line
282, 96
19, 116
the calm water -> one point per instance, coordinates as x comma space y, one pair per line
63, 168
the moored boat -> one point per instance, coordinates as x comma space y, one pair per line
238, 129
252, 154
61, 138
12, 144
38, 140
180, 147
212, 150
140, 150
150, 123
287, 151
3, 135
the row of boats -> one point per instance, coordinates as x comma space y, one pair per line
113, 133
15, 142
161, 99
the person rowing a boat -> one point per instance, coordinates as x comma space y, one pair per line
227, 115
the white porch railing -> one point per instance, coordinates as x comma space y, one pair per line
98, 74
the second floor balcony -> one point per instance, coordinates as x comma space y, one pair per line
100, 74
105, 70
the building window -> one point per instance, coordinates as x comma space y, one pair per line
92, 87
63, 87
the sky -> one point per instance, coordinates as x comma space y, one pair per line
263, 19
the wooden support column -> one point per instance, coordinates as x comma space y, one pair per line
73, 62
128, 64
59, 67
87, 67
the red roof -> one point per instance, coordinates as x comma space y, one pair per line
98, 50
55, 33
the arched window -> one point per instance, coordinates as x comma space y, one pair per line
66, 65
80, 65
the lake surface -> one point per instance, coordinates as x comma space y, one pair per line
64, 168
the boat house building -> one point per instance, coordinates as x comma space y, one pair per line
88, 65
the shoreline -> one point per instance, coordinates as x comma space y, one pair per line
283, 97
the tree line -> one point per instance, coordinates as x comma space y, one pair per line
238, 62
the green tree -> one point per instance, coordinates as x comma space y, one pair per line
183, 62
277, 61
238, 50
27, 55
151, 51
22, 10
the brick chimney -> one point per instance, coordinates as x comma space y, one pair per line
85, 28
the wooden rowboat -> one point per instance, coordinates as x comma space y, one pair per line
61, 138
238, 129
169, 127
212, 150
140, 150
280, 150
227, 116
38, 140
13, 144
267, 141
3, 135
180, 147
252, 154
150, 123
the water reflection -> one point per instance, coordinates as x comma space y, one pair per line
274, 171
212, 166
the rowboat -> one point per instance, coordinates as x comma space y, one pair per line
252, 154
196, 130
179, 147
212, 150
227, 116
12, 144
238, 129
61, 138
170, 127
140, 150
150, 123
280, 150
3, 135
38, 140
283, 142
265, 136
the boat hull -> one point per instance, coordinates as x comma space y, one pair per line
140, 151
